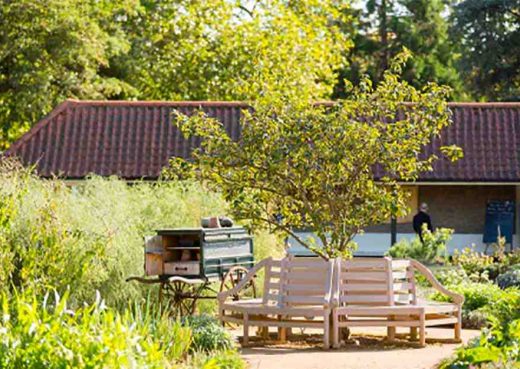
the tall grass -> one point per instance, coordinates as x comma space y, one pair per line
88, 237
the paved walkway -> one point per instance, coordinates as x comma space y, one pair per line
368, 351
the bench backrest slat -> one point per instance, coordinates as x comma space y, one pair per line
403, 282
365, 281
272, 280
306, 281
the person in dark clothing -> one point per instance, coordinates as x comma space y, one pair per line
421, 218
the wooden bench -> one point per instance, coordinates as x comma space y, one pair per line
382, 292
297, 292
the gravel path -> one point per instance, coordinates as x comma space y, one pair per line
368, 351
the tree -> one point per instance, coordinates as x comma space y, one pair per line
162, 50
383, 27
488, 33
54, 49
304, 165
222, 50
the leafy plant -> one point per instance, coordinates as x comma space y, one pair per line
224, 360
208, 334
472, 261
498, 345
511, 278
430, 250
451, 276
476, 295
47, 334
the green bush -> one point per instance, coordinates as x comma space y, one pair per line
499, 345
433, 248
472, 261
511, 278
90, 237
208, 334
224, 360
449, 276
476, 295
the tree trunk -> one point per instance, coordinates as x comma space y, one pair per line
383, 35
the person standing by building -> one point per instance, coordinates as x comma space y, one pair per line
421, 218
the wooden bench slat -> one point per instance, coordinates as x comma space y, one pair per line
400, 264
403, 286
354, 299
369, 287
368, 276
402, 275
304, 299
313, 288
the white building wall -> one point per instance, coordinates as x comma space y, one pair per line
372, 244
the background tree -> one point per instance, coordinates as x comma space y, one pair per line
302, 165
488, 33
383, 27
54, 49
163, 50
199, 50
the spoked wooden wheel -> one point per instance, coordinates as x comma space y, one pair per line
233, 277
178, 297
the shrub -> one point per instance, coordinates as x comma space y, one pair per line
451, 276
498, 345
511, 278
229, 359
476, 295
90, 237
208, 334
431, 250
475, 319
471, 261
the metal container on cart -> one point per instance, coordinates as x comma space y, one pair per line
187, 262
206, 253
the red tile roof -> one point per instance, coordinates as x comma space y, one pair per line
135, 139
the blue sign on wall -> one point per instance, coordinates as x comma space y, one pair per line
500, 219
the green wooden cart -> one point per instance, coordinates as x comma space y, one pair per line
191, 264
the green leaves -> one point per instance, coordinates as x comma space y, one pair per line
487, 34
304, 165
49, 335
52, 50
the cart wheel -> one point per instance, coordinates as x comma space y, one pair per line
233, 277
178, 297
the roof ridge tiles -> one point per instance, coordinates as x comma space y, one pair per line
114, 143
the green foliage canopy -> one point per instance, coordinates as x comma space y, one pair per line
380, 29
198, 50
488, 33
302, 165
162, 50
51, 50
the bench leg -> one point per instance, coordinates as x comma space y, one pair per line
422, 330
264, 333
458, 326
390, 331
413, 334
326, 330
245, 338
335, 330
282, 332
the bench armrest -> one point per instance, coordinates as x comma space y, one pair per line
222, 296
458, 299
